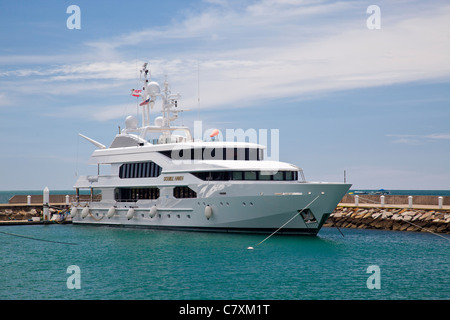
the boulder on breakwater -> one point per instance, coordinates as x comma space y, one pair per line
396, 219
8, 214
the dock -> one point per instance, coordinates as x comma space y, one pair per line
25, 214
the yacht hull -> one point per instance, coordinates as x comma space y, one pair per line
291, 208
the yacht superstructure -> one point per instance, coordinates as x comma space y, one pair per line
160, 178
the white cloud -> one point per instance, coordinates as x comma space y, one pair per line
414, 139
265, 50
96, 112
287, 58
73, 71
439, 136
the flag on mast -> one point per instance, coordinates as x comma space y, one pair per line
136, 93
145, 102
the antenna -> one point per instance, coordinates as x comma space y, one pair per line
198, 89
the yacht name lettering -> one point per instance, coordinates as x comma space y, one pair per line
174, 178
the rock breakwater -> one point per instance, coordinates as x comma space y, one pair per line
8, 214
390, 219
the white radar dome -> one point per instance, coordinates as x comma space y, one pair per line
158, 121
131, 122
153, 88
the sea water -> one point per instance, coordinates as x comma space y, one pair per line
37, 262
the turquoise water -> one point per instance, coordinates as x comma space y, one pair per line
122, 263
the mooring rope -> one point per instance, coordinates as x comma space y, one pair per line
37, 239
426, 230
369, 200
92, 216
295, 215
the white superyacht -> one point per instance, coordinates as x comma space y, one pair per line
160, 177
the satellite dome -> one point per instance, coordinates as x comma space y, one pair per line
158, 121
153, 88
131, 122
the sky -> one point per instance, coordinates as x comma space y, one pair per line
349, 88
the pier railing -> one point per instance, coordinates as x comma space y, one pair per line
38, 199
401, 200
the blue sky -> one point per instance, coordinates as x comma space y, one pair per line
375, 103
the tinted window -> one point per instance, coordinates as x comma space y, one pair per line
134, 194
246, 175
214, 154
139, 170
184, 192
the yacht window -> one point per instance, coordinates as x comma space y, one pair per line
197, 154
265, 175
278, 176
240, 153
212, 154
248, 154
184, 192
134, 194
289, 175
250, 175
238, 175
147, 169
246, 175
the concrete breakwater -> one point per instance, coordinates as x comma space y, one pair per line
397, 219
